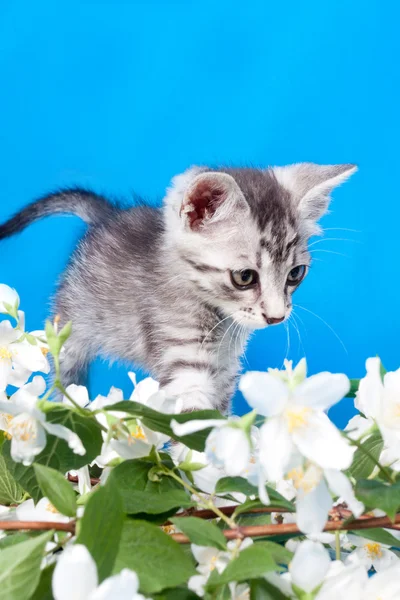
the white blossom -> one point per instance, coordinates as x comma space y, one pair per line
296, 421
8, 296
371, 554
27, 426
42, 511
75, 578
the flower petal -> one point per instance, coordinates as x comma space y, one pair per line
309, 566
276, 448
29, 357
320, 441
123, 586
312, 508
79, 393
340, 485
28, 438
9, 296
368, 398
130, 449
66, 434
321, 391
8, 334
5, 371
229, 446
264, 392
75, 575
181, 429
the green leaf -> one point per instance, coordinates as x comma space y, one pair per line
177, 594
354, 383
157, 559
365, 457
65, 333
157, 421
239, 484
43, 590
57, 489
13, 538
201, 532
57, 454
378, 535
101, 527
139, 494
20, 568
252, 562
260, 589
375, 494
10, 490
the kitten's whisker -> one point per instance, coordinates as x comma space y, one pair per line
223, 337
287, 343
342, 229
328, 252
296, 327
333, 240
215, 326
325, 323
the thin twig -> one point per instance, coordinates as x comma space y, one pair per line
37, 525
364, 522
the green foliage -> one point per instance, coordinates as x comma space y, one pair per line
375, 494
161, 422
20, 568
239, 484
157, 559
142, 495
57, 489
366, 457
10, 490
201, 532
252, 562
260, 589
354, 383
101, 527
382, 536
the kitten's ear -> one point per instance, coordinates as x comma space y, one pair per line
210, 197
311, 184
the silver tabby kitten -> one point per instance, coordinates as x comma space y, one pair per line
171, 288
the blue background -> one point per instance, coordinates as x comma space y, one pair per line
123, 95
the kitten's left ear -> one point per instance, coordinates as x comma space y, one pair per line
311, 184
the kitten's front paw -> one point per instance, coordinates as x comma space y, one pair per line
195, 400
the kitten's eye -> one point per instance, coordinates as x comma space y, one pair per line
244, 279
296, 275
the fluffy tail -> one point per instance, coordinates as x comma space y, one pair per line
89, 206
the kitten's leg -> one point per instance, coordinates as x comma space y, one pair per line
193, 384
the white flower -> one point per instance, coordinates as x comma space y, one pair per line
84, 484
297, 421
209, 558
371, 554
380, 400
358, 426
227, 445
18, 359
313, 498
27, 425
309, 566
344, 582
383, 586
75, 578
43, 511
79, 393
8, 296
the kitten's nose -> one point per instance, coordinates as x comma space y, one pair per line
273, 320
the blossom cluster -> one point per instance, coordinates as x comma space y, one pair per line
66, 459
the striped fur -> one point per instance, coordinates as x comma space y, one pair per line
153, 287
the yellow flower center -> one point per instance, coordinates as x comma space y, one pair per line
44, 351
51, 508
168, 529
304, 481
213, 563
4, 352
137, 434
23, 431
297, 417
373, 550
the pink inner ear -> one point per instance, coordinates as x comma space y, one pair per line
202, 202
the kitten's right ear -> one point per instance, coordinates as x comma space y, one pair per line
210, 197
311, 184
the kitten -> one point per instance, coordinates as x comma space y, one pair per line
178, 289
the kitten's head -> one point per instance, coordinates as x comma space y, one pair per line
241, 234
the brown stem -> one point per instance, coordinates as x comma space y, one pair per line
364, 522
74, 479
37, 525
